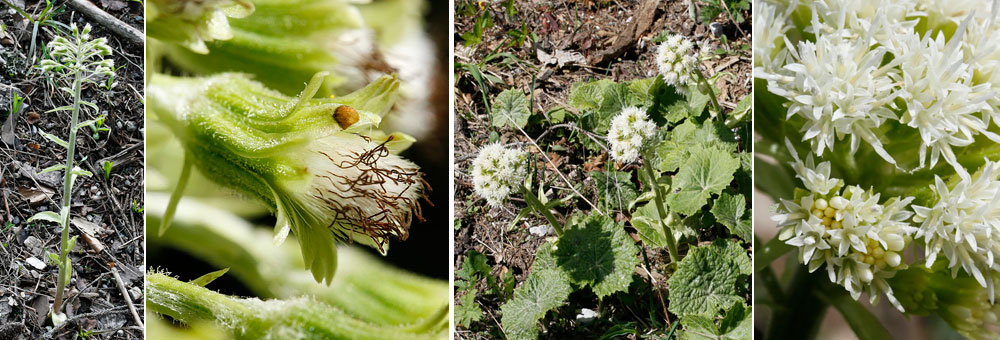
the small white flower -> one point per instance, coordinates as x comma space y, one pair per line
964, 225
628, 134
676, 62
858, 239
541, 230
497, 172
586, 315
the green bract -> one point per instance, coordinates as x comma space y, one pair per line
317, 162
192, 23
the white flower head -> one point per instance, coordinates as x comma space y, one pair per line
964, 225
676, 62
628, 134
497, 172
859, 239
839, 87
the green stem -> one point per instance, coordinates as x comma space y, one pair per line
658, 196
175, 197
800, 317
537, 205
67, 195
711, 92
255, 319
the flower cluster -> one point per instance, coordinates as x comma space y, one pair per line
628, 134
79, 55
882, 72
498, 171
676, 61
964, 225
859, 239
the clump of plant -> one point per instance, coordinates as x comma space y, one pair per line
79, 59
690, 159
895, 105
276, 105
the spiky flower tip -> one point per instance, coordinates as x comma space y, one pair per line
628, 134
79, 54
192, 23
846, 228
676, 62
497, 172
964, 224
316, 162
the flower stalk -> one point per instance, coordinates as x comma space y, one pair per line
81, 59
658, 196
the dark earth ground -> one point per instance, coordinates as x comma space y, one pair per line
107, 209
602, 32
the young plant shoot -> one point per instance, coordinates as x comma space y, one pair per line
79, 59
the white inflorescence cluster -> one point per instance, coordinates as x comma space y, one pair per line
676, 61
930, 67
964, 225
628, 133
498, 171
846, 228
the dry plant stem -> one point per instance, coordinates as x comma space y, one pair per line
658, 196
711, 92
67, 193
128, 32
537, 205
554, 168
127, 297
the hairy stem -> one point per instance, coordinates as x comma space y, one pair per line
67, 195
658, 196
711, 93
537, 205
300, 318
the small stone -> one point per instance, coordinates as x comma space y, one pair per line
34, 245
38, 264
136, 293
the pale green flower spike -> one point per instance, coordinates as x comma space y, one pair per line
285, 42
81, 59
252, 318
958, 299
192, 23
312, 161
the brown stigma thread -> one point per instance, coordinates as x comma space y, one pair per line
393, 212
345, 116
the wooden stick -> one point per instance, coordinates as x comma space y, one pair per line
101, 17
127, 297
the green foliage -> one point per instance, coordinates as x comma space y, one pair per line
706, 173
708, 279
483, 22
615, 188
736, 323
467, 310
546, 288
107, 169
510, 108
733, 8
596, 252
729, 210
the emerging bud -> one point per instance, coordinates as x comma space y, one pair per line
316, 162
